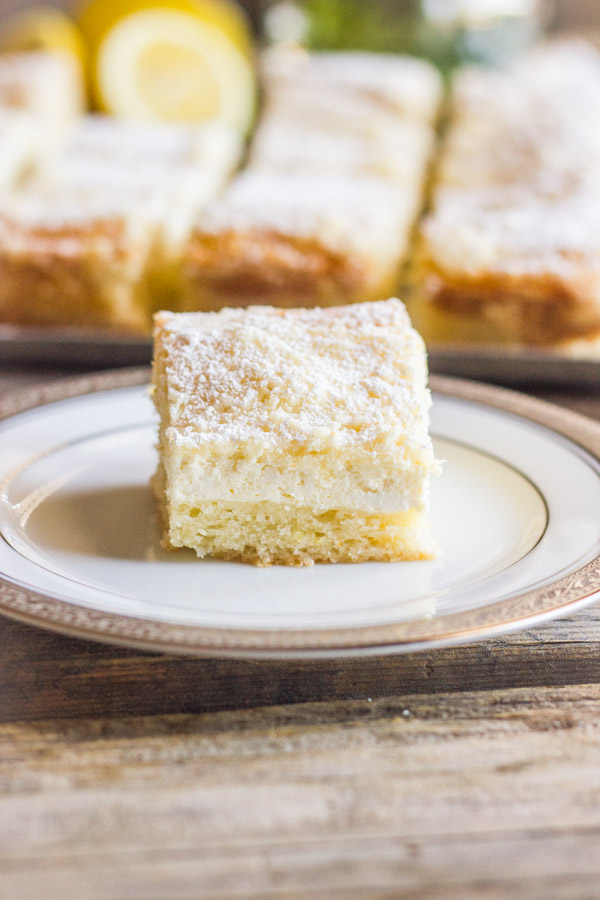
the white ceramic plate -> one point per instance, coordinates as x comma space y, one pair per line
516, 513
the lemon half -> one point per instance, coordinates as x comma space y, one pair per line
181, 60
167, 65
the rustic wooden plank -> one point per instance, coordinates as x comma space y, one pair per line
480, 794
44, 675
369, 869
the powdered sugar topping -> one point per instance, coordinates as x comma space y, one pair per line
314, 377
344, 212
411, 86
519, 184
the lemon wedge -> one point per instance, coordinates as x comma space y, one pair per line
185, 61
43, 28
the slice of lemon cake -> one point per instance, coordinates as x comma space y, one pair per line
96, 234
510, 251
74, 259
171, 169
299, 239
294, 436
346, 113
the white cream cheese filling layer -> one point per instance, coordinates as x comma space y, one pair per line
322, 484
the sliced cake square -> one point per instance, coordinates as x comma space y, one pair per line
510, 251
299, 239
172, 170
294, 436
74, 259
95, 236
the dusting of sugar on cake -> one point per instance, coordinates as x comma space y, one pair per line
334, 111
519, 182
141, 163
528, 236
344, 212
169, 144
128, 181
407, 84
49, 210
314, 377
513, 128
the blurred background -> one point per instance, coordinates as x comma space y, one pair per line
191, 61
163, 51
560, 13
122, 44
564, 13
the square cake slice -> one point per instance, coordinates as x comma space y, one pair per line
295, 239
172, 170
509, 252
71, 258
294, 436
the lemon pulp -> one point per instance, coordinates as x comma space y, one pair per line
177, 82
163, 64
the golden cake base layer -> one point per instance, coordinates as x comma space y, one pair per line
242, 269
507, 320
86, 278
273, 534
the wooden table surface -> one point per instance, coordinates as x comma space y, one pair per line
467, 773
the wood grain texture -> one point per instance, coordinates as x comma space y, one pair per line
45, 675
478, 794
